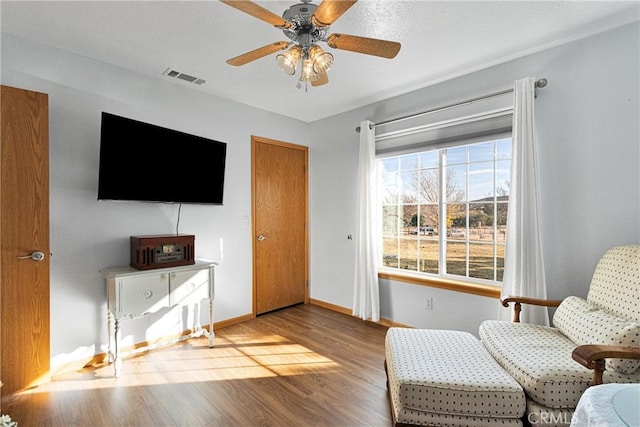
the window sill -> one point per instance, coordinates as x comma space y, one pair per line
448, 284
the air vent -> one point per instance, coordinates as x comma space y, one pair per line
182, 76
186, 77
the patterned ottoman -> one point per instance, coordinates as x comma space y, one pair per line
447, 378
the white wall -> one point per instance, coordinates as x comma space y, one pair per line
587, 130
88, 235
590, 161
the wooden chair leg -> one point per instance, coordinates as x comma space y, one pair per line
598, 370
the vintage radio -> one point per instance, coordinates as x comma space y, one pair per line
169, 250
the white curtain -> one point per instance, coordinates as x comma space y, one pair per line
523, 264
366, 290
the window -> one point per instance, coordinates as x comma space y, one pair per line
444, 211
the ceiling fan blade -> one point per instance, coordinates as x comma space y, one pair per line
259, 12
383, 48
323, 79
257, 53
330, 10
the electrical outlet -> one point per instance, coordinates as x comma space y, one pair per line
428, 303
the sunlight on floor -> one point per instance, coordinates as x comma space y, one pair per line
234, 357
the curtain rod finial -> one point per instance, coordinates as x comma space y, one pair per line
541, 83
371, 126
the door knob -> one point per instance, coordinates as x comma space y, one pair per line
36, 256
261, 238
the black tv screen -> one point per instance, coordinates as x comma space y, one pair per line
144, 162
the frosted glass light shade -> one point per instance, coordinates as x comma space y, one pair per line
288, 61
308, 74
322, 61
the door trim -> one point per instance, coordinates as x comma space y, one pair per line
261, 140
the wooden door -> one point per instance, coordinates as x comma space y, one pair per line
280, 238
24, 230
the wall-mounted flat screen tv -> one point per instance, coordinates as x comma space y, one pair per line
144, 162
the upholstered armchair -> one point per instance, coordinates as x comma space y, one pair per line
601, 334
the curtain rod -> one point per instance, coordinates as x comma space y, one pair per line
539, 84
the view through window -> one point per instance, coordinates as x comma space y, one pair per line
444, 212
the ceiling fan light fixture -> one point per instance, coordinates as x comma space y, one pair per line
307, 24
288, 61
307, 74
322, 61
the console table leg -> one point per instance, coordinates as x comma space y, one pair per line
212, 334
110, 333
117, 361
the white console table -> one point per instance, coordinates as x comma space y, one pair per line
135, 293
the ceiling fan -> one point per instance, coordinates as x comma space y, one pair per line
306, 24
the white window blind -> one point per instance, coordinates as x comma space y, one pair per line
459, 125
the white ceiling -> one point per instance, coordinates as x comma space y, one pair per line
440, 40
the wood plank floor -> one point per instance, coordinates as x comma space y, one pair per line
301, 366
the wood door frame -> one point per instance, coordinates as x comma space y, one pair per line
261, 140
